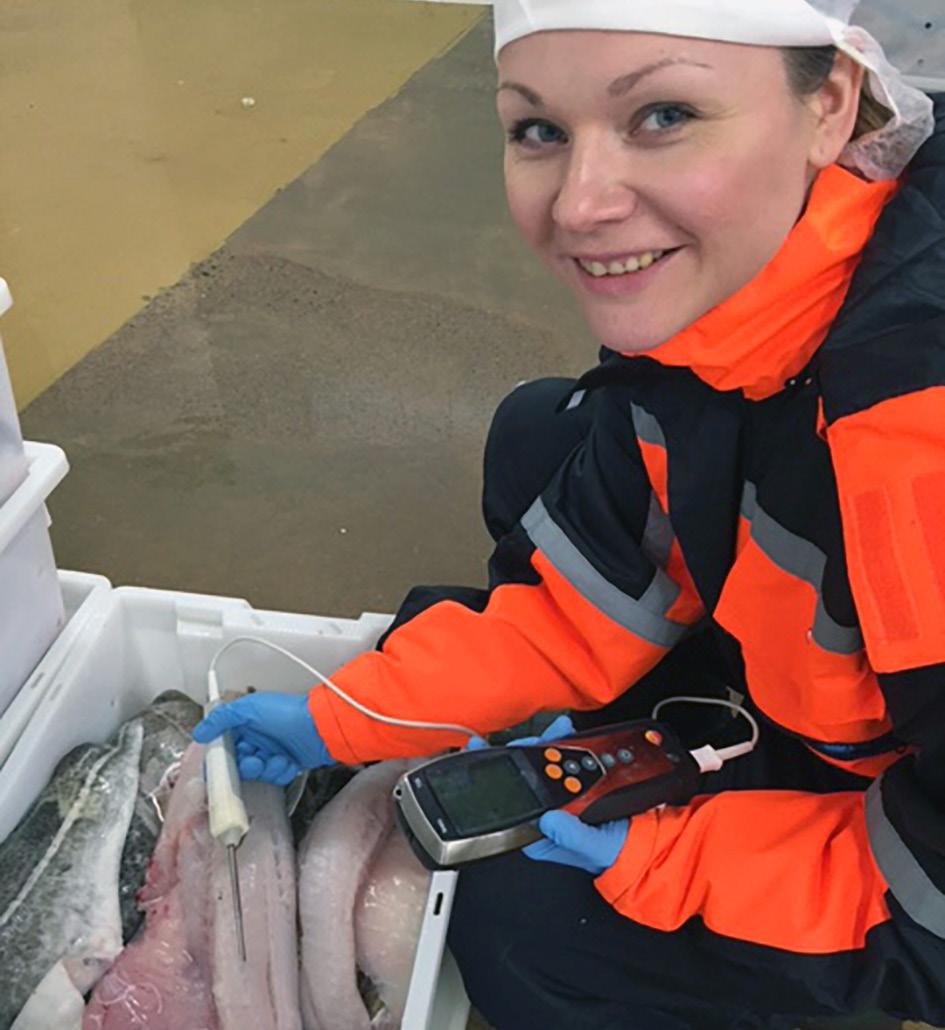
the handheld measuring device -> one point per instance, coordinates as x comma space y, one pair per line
471, 805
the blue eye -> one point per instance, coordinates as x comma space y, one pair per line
666, 117
532, 132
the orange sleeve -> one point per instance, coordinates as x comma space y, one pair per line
534, 647
890, 466
782, 869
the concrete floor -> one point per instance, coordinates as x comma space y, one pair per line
299, 419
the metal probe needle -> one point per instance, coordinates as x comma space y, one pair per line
225, 809
237, 900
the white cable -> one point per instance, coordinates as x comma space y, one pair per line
708, 756
390, 720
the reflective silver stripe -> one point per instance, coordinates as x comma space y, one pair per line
647, 428
643, 617
908, 881
657, 534
576, 399
806, 561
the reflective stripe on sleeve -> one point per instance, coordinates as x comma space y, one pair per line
804, 560
922, 901
644, 617
647, 426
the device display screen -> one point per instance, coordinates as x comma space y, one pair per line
481, 796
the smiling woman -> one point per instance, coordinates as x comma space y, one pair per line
747, 492
658, 192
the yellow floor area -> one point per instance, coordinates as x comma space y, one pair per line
137, 136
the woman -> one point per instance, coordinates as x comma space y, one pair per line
749, 489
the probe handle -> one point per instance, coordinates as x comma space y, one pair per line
227, 813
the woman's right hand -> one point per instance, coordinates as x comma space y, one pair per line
273, 735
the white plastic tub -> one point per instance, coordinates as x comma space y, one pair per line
80, 591
12, 454
136, 643
31, 607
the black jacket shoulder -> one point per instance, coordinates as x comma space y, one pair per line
889, 338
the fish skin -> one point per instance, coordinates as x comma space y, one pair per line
182, 972
335, 859
54, 1003
167, 723
59, 871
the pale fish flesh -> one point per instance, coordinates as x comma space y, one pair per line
387, 919
182, 970
59, 875
349, 863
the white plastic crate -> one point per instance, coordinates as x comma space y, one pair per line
136, 643
12, 454
31, 608
80, 590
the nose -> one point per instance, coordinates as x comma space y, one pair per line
596, 187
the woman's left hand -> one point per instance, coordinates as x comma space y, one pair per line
568, 841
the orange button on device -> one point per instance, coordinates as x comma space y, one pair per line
553, 754
573, 784
653, 737
553, 772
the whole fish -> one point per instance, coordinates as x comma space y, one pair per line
59, 874
182, 970
361, 896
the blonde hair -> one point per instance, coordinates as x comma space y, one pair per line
808, 69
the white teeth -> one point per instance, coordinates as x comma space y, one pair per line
632, 264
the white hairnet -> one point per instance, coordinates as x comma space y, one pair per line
882, 154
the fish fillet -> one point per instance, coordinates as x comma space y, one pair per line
182, 971
59, 874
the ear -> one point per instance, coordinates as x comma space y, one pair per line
835, 107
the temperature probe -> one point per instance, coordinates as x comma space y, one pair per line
227, 813
471, 805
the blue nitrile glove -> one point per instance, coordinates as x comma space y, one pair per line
561, 727
273, 735
568, 841
571, 842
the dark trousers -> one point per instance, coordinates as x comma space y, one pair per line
537, 945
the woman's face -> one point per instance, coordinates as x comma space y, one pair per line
655, 175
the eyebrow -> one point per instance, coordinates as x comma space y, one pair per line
618, 88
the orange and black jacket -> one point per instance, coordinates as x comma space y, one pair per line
810, 528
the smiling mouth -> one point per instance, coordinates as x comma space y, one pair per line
627, 266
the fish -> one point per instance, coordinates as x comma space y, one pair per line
166, 726
357, 883
388, 915
182, 969
60, 921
